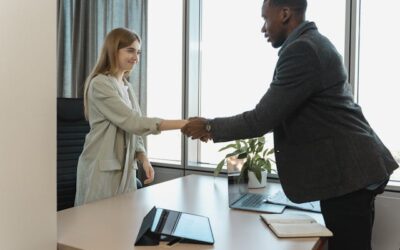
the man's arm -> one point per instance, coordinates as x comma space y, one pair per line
297, 78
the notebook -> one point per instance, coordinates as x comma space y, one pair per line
295, 225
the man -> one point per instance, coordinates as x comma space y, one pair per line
324, 147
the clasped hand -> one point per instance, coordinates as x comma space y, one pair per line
196, 129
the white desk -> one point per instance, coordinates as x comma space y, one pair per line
113, 224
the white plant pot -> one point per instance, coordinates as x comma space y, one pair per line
253, 181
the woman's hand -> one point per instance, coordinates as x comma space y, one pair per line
148, 169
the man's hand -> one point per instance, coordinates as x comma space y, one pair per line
196, 129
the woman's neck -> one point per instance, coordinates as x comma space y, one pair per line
120, 77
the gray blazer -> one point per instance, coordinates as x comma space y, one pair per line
107, 164
324, 146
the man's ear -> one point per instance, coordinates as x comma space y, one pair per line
286, 14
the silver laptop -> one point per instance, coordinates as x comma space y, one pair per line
241, 198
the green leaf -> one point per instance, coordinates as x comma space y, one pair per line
238, 145
259, 148
268, 166
252, 143
260, 162
257, 172
246, 144
228, 146
236, 152
219, 167
242, 155
243, 171
260, 144
271, 151
249, 161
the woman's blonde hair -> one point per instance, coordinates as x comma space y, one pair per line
116, 39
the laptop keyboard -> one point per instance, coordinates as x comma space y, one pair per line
252, 200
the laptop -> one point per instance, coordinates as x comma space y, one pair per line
241, 198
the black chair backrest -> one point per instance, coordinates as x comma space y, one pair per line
71, 131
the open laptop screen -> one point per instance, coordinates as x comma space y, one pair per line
237, 185
190, 227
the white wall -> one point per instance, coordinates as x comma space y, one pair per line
386, 230
27, 124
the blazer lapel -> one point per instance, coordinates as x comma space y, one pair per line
133, 99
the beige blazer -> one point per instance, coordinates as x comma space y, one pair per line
107, 164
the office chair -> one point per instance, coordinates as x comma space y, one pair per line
71, 131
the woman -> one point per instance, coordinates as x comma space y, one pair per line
108, 163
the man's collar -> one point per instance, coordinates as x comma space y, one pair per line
298, 31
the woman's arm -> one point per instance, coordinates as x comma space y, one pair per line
105, 98
171, 124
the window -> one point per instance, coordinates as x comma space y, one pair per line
164, 75
230, 65
238, 63
322, 13
378, 87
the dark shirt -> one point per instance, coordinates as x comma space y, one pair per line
324, 146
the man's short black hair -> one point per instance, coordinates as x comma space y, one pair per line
298, 5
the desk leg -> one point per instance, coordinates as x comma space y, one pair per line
321, 244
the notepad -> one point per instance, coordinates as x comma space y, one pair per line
280, 198
295, 225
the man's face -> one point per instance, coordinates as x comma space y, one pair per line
273, 28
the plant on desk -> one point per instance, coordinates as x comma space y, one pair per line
253, 159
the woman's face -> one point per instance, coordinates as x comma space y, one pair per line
128, 56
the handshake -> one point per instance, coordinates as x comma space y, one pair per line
196, 128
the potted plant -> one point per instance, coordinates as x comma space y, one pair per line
253, 158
